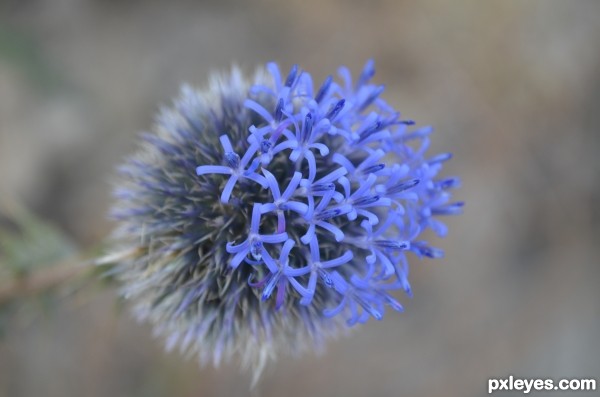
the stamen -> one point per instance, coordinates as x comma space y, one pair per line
403, 186
291, 76
322, 187
323, 90
279, 110
328, 214
373, 169
336, 109
391, 244
366, 200
265, 146
232, 160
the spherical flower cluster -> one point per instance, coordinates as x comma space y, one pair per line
263, 217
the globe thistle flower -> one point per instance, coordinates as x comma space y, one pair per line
262, 217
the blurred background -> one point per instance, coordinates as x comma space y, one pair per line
512, 87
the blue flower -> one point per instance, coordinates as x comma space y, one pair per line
259, 217
234, 167
254, 242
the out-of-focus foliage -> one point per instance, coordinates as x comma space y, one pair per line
29, 246
28, 243
21, 51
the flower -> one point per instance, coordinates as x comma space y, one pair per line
263, 217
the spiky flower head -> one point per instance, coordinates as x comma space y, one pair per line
263, 217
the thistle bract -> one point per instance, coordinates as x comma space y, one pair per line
263, 216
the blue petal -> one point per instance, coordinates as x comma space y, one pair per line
213, 169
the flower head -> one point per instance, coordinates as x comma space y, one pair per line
262, 217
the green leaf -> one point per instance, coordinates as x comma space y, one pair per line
28, 243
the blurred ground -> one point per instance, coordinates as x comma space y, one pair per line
513, 89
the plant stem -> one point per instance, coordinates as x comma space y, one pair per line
38, 281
